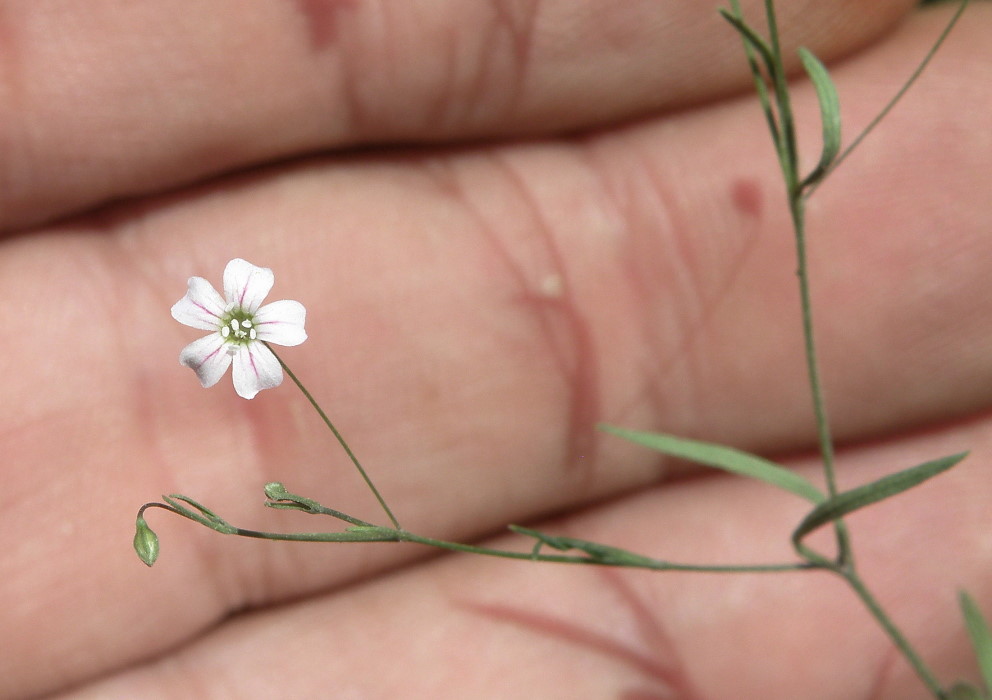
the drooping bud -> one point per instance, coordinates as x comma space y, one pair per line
145, 542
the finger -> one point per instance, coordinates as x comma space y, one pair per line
477, 314
108, 99
488, 628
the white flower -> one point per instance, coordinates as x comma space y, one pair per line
239, 324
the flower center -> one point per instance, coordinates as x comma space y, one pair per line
238, 327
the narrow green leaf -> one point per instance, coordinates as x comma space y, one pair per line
826, 93
602, 553
981, 637
755, 46
173, 499
855, 499
751, 38
722, 457
205, 517
554, 541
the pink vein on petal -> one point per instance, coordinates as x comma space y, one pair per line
254, 369
204, 308
207, 357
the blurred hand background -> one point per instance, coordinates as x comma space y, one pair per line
509, 221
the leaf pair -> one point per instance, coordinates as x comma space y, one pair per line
826, 510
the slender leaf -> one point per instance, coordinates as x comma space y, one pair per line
755, 46
981, 637
205, 517
855, 499
751, 38
597, 552
722, 457
826, 93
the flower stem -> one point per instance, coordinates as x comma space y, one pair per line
340, 439
635, 561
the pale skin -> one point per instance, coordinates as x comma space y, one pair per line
583, 224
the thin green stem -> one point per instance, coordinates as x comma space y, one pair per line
784, 135
812, 364
789, 159
897, 637
825, 439
340, 439
385, 534
844, 565
594, 553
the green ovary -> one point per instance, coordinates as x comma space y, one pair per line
238, 327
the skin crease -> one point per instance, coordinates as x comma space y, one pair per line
532, 247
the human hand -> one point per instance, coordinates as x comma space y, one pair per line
584, 224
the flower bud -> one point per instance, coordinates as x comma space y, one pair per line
145, 542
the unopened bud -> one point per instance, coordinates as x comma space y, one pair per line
145, 542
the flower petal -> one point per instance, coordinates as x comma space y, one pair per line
255, 368
202, 306
246, 285
281, 322
208, 357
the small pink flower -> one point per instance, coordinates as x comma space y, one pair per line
238, 326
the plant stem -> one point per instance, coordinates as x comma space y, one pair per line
785, 143
385, 534
798, 212
784, 138
825, 439
897, 637
340, 439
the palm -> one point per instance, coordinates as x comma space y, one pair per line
474, 310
